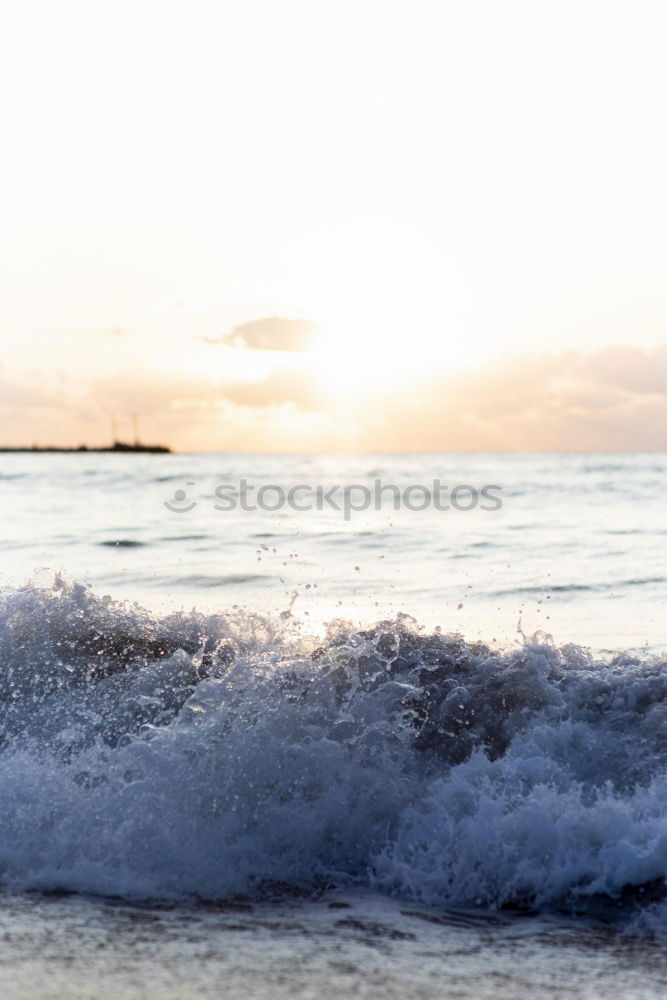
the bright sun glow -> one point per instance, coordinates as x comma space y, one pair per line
389, 314
367, 362
346, 367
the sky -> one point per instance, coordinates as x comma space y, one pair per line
301, 226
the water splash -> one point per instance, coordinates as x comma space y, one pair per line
227, 754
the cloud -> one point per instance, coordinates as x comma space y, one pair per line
143, 394
610, 400
274, 333
17, 396
277, 389
630, 368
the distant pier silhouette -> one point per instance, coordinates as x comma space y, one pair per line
124, 447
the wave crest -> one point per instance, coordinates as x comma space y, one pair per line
216, 755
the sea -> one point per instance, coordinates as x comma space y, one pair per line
333, 726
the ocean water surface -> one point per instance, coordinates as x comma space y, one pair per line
404, 752
577, 549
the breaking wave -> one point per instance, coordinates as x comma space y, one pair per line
221, 755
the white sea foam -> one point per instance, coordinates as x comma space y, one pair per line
217, 755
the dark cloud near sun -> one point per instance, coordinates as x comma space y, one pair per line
273, 333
